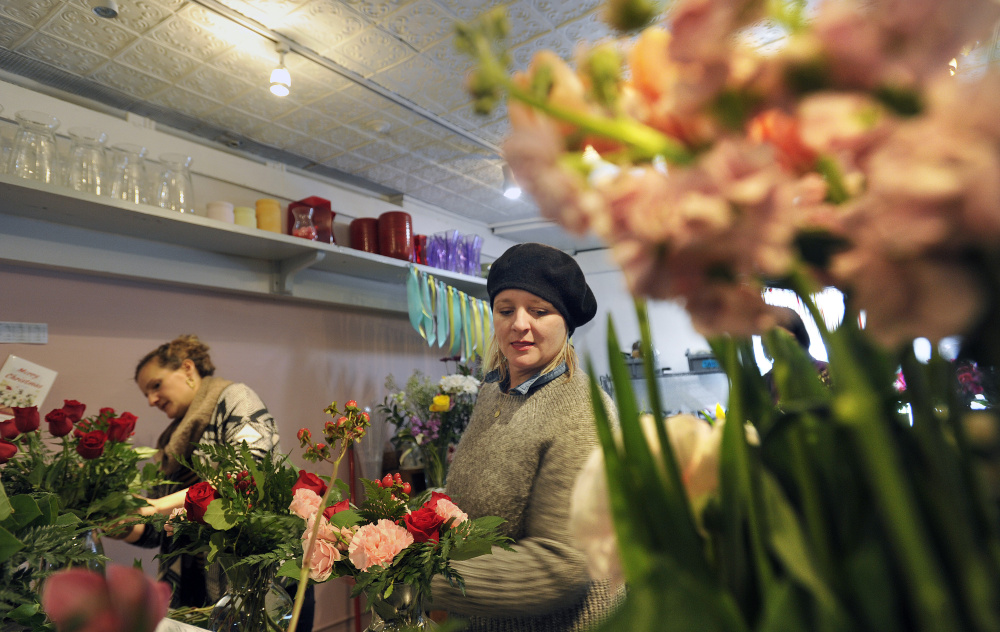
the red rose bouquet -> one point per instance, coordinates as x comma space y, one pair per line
391, 542
88, 462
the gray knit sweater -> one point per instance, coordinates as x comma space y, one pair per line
519, 459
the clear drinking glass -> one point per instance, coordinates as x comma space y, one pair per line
174, 189
128, 173
88, 169
34, 153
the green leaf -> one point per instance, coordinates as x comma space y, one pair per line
218, 517
468, 550
5, 506
25, 511
345, 518
290, 568
9, 545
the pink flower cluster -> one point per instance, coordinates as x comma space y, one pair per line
85, 601
854, 131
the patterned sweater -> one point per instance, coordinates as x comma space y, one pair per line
519, 459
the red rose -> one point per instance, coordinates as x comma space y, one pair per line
197, 500
91, 444
8, 429
311, 482
336, 508
60, 424
435, 497
7, 450
74, 409
424, 525
121, 428
26, 419
106, 412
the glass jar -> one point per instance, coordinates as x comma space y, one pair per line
88, 169
128, 173
174, 190
303, 226
34, 155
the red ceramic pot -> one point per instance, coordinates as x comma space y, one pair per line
395, 235
364, 234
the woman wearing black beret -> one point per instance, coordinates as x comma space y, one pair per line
530, 433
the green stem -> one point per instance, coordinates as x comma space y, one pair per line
300, 592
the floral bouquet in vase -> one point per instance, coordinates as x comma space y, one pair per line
238, 516
392, 544
430, 418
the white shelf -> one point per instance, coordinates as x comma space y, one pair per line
41, 216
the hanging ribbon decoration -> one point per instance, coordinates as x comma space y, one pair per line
447, 316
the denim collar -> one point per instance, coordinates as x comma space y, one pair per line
530, 385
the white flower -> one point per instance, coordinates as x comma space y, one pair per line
459, 384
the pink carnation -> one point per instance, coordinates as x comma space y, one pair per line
377, 544
305, 503
448, 510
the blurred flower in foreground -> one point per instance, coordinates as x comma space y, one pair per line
79, 600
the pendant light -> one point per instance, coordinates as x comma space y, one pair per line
281, 80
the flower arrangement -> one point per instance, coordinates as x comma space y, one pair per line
389, 541
850, 157
430, 418
89, 463
37, 539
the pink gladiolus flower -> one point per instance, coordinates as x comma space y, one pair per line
84, 601
305, 503
378, 544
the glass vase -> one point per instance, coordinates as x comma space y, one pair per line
253, 602
402, 610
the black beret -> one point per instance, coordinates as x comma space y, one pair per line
548, 273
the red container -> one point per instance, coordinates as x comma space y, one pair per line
364, 234
419, 249
395, 235
322, 217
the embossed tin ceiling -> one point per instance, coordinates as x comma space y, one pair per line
377, 93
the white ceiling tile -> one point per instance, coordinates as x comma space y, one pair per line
157, 60
12, 32
185, 101
377, 151
322, 25
259, 102
303, 68
372, 49
339, 107
189, 38
419, 23
140, 16
412, 75
521, 55
468, 11
315, 150
128, 80
448, 58
214, 83
86, 30
30, 12
558, 12
348, 163
253, 68
589, 28
375, 10
525, 23
345, 137
307, 121
383, 174
61, 54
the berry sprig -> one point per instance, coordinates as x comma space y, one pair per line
348, 428
394, 483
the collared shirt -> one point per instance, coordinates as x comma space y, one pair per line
530, 385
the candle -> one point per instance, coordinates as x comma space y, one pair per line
245, 216
222, 211
269, 215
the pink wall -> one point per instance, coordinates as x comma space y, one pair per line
298, 357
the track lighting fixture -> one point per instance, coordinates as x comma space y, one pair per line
281, 79
511, 190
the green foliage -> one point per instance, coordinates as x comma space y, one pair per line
250, 518
847, 515
36, 539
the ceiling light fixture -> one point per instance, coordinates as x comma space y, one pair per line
281, 79
106, 9
511, 190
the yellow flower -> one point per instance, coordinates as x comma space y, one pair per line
440, 404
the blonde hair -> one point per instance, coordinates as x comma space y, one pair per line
494, 359
172, 354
